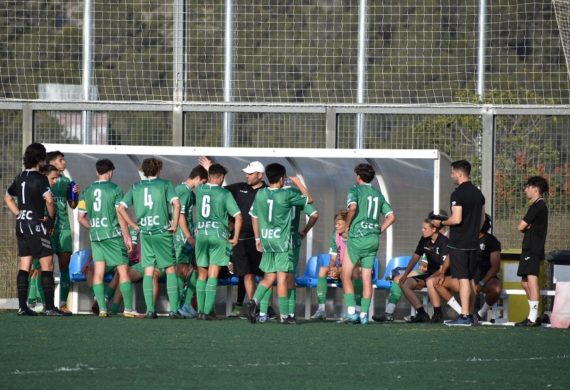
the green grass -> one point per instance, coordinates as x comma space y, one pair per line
90, 352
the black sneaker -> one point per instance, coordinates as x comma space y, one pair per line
252, 311
271, 313
284, 320
210, 317
176, 316
528, 323
27, 312
421, 317
437, 318
95, 308
151, 315
55, 312
291, 320
386, 317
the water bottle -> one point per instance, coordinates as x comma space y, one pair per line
73, 194
188, 248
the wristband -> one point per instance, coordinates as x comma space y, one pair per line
257, 239
482, 283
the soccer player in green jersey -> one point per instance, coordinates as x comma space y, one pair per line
151, 198
184, 240
108, 233
61, 239
296, 241
365, 204
271, 215
213, 243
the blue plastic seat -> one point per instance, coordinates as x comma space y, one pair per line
399, 261
310, 277
76, 264
231, 281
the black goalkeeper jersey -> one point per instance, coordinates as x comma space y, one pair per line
30, 187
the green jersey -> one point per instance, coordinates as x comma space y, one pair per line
309, 210
61, 191
187, 203
370, 204
151, 199
99, 201
213, 206
273, 209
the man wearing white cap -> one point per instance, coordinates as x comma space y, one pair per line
245, 257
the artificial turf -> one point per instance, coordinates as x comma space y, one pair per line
91, 352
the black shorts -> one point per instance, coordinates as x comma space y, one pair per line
37, 246
463, 263
529, 264
246, 258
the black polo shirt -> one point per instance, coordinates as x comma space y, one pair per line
535, 236
244, 195
466, 234
435, 251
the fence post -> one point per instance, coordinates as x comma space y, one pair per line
228, 70
331, 128
87, 70
27, 125
362, 59
488, 159
179, 67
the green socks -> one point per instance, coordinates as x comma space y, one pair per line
322, 290
292, 301
357, 283
365, 305
172, 291
395, 293
283, 306
200, 294
127, 293
264, 303
191, 288
210, 300
349, 300
99, 291
147, 292
64, 284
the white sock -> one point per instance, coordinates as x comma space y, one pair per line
363, 314
390, 308
454, 305
533, 312
484, 310
262, 314
351, 310
321, 306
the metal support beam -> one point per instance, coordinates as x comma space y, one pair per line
331, 128
27, 126
488, 160
179, 90
228, 70
362, 62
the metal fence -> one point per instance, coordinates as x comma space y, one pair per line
486, 81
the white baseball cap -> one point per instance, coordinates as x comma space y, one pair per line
254, 166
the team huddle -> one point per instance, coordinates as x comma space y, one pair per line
199, 231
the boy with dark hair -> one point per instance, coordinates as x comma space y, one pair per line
27, 198
534, 226
271, 218
108, 233
184, 240
152, 198
61, 237
214, 205
365, 204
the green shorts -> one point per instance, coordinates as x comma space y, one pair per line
276, 262
112, 251
61, 241
362, 250
294, 257
212, 250
157, 250
138, 267
181, 251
